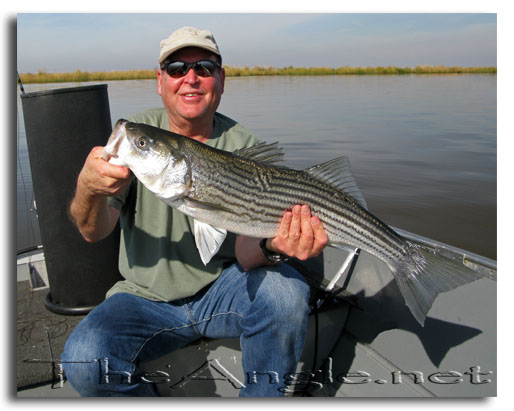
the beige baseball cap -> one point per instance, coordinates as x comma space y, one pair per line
188, 37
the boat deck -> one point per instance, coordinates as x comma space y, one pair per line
40, 334
369, 344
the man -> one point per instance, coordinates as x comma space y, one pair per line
169, 298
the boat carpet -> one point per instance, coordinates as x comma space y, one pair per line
40, 338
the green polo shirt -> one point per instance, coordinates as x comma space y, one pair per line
158, 255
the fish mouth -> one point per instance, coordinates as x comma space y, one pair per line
113, 144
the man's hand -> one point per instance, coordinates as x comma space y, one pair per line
99, 177
89, 209
300, 235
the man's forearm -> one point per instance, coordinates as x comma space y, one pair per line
249, 254
93, 216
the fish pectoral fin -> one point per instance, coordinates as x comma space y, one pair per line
338, 173
208, 240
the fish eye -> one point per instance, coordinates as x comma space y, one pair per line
141, 142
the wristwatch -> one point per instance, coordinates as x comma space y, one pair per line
272, 257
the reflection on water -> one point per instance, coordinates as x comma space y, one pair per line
423, 148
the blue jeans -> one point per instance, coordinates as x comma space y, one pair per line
266, 308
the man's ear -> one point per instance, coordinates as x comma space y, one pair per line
159, 81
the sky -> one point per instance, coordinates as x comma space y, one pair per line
63, 42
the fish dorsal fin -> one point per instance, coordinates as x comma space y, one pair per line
338, 173
265, 153
208, 240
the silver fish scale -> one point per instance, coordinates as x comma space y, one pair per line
250, 198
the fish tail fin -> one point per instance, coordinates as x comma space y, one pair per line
424, 273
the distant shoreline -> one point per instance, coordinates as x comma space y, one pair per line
84, 76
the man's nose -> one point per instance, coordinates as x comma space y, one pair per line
191, 77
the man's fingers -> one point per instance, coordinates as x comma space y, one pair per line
283, 230
296, 224
307, 237
300, 235
320, 236
116, 172
102, 177
307, 234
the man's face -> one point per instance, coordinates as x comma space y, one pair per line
191, 98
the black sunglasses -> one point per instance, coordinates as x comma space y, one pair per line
203, 68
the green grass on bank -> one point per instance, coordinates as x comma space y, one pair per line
83, 76
323, 71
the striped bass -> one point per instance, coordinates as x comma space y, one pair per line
246, 192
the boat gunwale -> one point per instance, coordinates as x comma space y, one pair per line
467, 255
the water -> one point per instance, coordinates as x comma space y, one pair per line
422, 148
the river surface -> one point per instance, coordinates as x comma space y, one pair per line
422, 147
